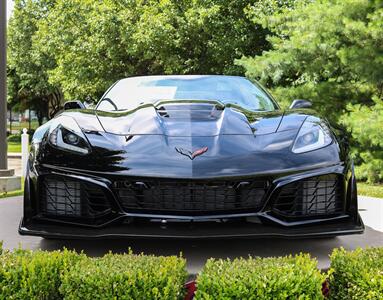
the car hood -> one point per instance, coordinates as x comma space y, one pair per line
152, 142
191, 119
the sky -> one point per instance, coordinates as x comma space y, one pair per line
9, 8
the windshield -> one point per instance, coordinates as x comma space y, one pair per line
129, 93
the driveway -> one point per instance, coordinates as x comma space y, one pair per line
196, 252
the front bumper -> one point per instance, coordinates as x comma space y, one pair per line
208, 230
120, 223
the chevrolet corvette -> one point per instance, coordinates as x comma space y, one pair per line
189, 156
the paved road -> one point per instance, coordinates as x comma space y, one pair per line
197, 252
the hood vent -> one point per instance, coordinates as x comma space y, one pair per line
193, 112
177, 119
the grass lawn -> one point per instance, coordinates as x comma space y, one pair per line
14, 147
12, 194
372, 190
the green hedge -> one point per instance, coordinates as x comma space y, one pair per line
42, 275
33, 275
356, 274
126, 277
14, 138
261, 278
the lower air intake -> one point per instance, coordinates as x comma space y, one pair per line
191, 197
64, 197
315, 196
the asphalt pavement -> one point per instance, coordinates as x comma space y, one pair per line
197, 252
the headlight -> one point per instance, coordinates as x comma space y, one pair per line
313, 134
66, 134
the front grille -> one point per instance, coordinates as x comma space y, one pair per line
191, 197
315, 196
65, 197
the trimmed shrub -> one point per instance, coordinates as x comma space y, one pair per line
126, 276
356, 274
14, 138
33, 275
261, 278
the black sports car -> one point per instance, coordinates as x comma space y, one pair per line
189, 157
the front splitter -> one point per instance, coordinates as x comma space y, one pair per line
191, 231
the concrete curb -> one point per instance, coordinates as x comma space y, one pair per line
10, 183
14, 155
370, 198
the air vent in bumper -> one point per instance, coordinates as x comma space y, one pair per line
191, 197
311, 197
64, 197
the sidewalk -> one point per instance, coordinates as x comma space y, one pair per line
371, 211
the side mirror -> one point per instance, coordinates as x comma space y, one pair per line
300, 103
74, 105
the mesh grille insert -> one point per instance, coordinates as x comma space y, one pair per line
195, 197
69, 198
321, 195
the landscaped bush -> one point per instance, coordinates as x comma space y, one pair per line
357, 274
56, 275
33, 275
64, 274
126, 276
14, 138
261, 278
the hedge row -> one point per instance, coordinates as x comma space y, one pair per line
357, 274
34, 275
42, 275
126, 277
261, 278
353, 275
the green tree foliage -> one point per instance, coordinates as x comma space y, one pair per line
366, 123
330, 52
327, 51
28, 84
94, 43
